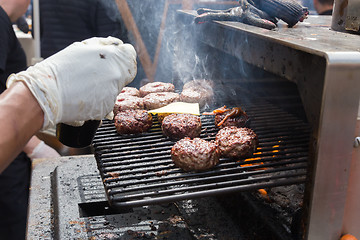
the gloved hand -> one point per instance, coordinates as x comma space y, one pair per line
261, 13
80, 82
289, 11
246, 13
43, 150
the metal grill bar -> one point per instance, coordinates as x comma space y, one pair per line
199, 188
200, 177
228, 163
220, 181
137, 169
198, 194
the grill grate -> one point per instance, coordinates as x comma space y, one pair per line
137, 170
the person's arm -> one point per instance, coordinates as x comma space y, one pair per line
76, 84
20, 118
36, 148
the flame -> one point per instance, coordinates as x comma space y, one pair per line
264, 193
252, 164
276, 146
258, 158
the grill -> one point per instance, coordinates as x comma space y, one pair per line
137, 170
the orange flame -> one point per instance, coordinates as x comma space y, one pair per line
258, 158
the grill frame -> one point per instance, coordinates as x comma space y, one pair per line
135, 174
325, 65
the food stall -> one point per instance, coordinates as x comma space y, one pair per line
303, 100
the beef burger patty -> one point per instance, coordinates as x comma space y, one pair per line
236, 142
160, 99
130, 91
179, 125
132, 121
198, 91
126, 102
156, 87
195, 154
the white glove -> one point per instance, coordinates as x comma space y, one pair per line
82, 81
43, 151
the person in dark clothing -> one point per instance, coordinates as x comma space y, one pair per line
63, 22
15, 179
323, 7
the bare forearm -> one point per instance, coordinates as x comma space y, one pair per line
20, 118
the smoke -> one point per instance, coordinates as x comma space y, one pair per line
170, 43
111, 9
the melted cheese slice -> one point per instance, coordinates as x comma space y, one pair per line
178, 107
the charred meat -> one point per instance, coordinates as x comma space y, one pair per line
226, 117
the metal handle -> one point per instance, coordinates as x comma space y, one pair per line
357, 142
